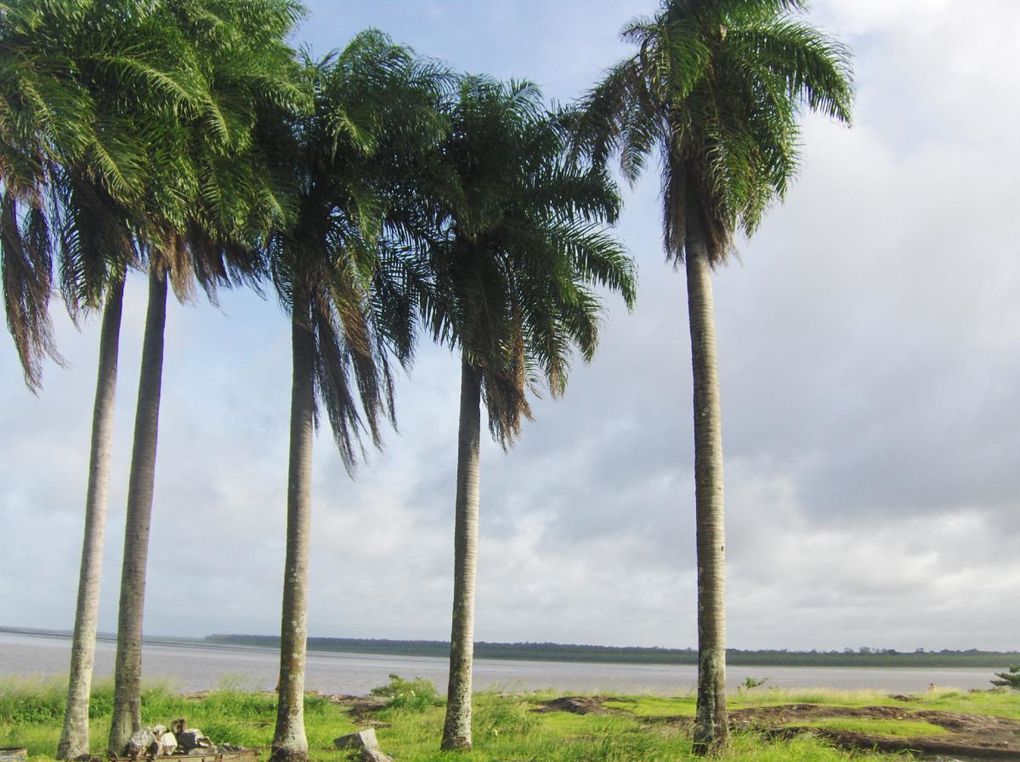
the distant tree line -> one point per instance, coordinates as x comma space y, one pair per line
848, 657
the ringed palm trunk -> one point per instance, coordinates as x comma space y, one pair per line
289, 740
74, 738
127, 700
457, 728
710, 729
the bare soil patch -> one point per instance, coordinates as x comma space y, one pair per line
574, 705
975, 737
362, 709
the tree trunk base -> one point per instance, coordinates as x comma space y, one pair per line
287, 754
458, 743
72, 751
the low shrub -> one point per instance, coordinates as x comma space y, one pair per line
415, 695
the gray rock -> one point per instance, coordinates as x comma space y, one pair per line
142, 743
374, 755
363, 739
192, 738
167, 744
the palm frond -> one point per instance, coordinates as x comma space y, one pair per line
26, 270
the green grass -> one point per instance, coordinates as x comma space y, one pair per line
997, 703
893, 728
31, 714
653, 706
635, 729
777, 696
505, 731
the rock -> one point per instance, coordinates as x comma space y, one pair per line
167, 744
374, 755
574, 705
363, 739
142, 743
178, 726
192, 738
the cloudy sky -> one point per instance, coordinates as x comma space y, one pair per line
870, 370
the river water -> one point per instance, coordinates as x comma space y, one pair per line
194, 666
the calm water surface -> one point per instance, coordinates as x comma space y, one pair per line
193, 667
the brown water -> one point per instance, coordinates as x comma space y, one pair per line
189, 666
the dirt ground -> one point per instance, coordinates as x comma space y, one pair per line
970, 736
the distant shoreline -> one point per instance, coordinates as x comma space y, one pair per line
556, 652
636, 655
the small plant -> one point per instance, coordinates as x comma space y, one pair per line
414, 695
753, 682
1009, 679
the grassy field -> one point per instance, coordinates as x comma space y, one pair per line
506, 727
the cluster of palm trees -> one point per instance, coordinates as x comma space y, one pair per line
381, 196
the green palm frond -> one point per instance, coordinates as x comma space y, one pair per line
138, 73
26, 272
754, 10
811, 67
95, 240
333, 388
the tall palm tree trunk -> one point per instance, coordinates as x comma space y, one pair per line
127, 697
457, 728
710, 729
74, 738
289, 740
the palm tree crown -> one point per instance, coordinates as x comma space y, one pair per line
332, 260
520, 242
716, 87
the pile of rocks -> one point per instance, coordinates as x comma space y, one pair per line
176, 741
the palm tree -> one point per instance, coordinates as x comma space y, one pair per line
209, 194
71, 153
717, 86
519, 239
344, 286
